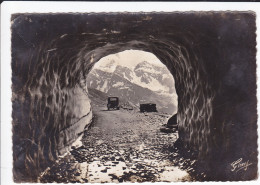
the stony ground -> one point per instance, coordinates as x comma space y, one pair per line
124, 146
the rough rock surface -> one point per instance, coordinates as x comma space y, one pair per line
123, 146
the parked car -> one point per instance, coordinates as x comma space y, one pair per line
148, 107
112, 103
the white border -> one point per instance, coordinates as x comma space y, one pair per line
8, 8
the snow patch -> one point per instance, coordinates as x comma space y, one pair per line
78, 142
104, 88
124, 88
154, 85
118, 84
173, 174
97, 176
83, 167
165, 76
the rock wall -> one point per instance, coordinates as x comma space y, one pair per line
210, 55
49, 113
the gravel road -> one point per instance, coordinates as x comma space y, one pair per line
123, 146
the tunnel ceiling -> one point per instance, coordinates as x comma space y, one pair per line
210, 55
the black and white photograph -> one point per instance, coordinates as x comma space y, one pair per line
119, 97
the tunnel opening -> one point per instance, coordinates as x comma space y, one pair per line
66, 79
123, 134
135, 77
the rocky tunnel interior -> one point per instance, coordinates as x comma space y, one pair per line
211, 56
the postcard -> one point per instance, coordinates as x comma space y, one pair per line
132, 96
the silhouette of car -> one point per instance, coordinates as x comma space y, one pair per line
112, 103
148, 107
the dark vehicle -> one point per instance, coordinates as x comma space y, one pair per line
148, 107
113, 103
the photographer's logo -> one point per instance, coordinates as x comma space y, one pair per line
240, 165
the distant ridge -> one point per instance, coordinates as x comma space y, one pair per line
145, 83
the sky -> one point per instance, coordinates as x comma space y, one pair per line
129, 58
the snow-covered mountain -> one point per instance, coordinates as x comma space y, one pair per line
143, 83
145, 74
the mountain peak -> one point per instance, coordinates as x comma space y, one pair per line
143, 64
146, 74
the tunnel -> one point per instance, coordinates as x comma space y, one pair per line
211, 55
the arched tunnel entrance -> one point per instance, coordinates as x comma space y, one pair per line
135, 77
51, 109
192, 105
124, 137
